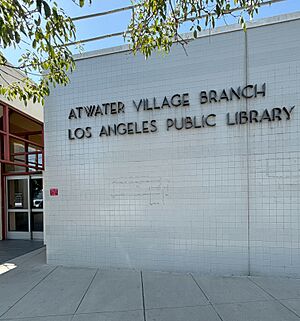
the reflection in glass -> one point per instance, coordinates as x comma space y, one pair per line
37, 221
18, 221
34, 158
17, 149
36, 187
17, 194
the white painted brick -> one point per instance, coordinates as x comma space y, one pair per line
179, 200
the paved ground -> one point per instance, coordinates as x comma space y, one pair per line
34, 291
10, 249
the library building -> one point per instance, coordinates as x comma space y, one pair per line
185, 162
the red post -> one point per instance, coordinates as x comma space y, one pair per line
6, 156
4, 213
6, 135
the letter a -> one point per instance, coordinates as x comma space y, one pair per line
72, 114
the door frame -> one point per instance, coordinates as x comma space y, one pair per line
36, 235
15, 234
30, 235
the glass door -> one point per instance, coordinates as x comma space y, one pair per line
25, 207
18, 221
37, 204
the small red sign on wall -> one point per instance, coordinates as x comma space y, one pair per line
53, 191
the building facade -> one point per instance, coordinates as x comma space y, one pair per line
21, 159
182, 162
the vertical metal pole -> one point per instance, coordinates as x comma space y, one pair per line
248, 160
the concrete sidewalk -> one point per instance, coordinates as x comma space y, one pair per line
10, 249
34, 291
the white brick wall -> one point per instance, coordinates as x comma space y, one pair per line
210, 200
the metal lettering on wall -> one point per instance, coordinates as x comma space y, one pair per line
206, 98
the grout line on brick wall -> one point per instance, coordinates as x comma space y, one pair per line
247, 160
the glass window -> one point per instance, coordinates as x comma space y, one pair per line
17, 194
17, 147
34, 158
17, 150
37, 221
18, 221
24, 152
36, 188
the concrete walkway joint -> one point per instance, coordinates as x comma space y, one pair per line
35, 291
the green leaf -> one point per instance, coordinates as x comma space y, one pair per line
47, 9
39, 5
153, 26
17, 37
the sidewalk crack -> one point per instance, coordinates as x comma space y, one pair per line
143, 296
86, 291
272, 296
28, 291
207, 298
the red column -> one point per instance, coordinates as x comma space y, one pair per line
6, 156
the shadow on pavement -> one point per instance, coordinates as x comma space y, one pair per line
10, 249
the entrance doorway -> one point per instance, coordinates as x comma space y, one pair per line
25, 207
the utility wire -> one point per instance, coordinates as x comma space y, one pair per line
104, 13
123, 33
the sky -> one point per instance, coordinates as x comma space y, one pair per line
118, 22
